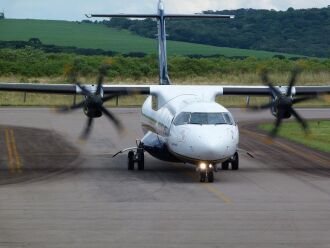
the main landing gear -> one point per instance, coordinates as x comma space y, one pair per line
136, 157
234, 161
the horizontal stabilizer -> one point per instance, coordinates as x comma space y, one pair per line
123, 15
172, 16
199, 16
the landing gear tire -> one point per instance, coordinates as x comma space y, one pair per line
202, 177
235, 162
225, 165
130, 160
210, 177
140, 160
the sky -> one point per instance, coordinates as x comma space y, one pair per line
75, 10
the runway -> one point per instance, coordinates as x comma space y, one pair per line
57, 192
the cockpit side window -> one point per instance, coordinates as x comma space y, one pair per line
229, 119
182, 119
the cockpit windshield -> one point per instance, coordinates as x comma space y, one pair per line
204, 119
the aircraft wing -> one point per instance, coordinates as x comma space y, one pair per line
72, 89
265, 91
150, 89
39, 88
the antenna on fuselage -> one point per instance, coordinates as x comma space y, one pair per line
164, 78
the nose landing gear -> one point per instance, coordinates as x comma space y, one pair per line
206, 173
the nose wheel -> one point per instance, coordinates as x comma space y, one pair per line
207, 175
136, 158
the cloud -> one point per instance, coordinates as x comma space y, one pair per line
75, 10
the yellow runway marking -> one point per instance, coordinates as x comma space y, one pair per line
220, 195
14, 161
9, 152
16, 154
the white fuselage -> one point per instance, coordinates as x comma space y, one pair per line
186, 136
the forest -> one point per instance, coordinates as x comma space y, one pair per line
302, 31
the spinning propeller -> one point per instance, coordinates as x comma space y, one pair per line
282, 102
93, 103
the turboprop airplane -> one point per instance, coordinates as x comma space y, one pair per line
181, 124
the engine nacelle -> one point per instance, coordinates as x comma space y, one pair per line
281, 104
92, 113
92, 106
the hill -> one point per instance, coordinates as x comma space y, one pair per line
304, 31
99, 36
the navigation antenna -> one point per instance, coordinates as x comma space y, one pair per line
161, 17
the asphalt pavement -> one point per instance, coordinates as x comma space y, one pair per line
58, 192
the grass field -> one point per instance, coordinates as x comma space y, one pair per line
318, 139
84, 35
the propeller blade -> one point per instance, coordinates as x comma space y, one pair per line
73, 76
102, 73
99, 88
84, 90
278, 122
112, 118
293, 80
266, 81
302, 99
99, 84
300, 120
87, 130
274, 90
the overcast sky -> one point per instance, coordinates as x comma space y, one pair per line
75, 10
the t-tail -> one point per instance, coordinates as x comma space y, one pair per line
161, 18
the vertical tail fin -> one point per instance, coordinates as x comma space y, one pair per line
164, 78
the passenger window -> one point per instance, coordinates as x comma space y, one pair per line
182, 119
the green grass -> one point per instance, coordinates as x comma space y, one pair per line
84, 35
319, 138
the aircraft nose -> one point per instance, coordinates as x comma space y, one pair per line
212, 146
204, 143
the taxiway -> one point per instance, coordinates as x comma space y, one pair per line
56, 192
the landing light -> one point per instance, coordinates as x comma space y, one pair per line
202, 166
210, 166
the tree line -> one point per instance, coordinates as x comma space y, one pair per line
37, 44
302, 31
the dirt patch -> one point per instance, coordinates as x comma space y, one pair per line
283, 154
29, 154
